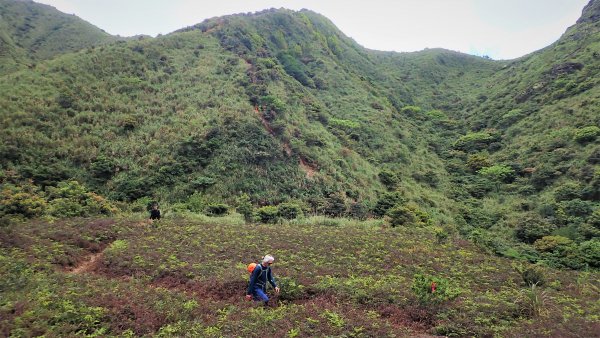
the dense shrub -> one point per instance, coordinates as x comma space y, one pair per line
21, 200
131, 186
408, 215
272, 103
102, 168
268, 214
412, 111
429, 177
71, 199
498, 173
335, 205
576, 207
586, 134
388, 178
203, 182
543, 175
590, 252
479, 186
488, 241
217, 209
552, 243
195, 203
531, 228
386, 202
511, 117
591, 191
567, 191
64, 207
475, 141
358, 210
295, 68
476, 162
244, 207
289, 210
532, 275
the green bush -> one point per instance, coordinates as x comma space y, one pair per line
552, 243
290, 289
347, 126
295, 68
488, 241
268, 214
64, 207
590, 252
386, 202
203, 182
244, 207
511, 117
567, 191
531, 228
217, 209
475, 141
195, 203
21, 200
102, 168
335, 205
431, 290
130, 186
576, 207
476, 162
408, 215
358, 210
289, 210
71, 199
412, 111
586, 134
388, 178
532, 275
498, 173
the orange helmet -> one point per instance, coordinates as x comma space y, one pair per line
251, 267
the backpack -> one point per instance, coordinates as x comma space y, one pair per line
251, 267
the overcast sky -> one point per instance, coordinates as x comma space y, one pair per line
501, 29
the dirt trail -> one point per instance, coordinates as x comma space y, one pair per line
88, 264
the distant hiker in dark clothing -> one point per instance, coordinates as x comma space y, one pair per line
257, 289
155, 213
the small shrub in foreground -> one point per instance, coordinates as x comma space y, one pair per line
431, 290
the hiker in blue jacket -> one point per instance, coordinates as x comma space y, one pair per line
257, 289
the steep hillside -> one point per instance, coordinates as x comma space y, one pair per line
30, 32
221, 108
280, 106
526, 161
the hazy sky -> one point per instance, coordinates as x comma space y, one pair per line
502, 29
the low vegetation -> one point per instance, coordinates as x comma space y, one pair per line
186, 276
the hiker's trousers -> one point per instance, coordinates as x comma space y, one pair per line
259, 294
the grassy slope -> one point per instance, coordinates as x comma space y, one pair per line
538, 103
32, 32
188, 277
141, 102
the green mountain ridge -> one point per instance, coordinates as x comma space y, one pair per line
31, 32
281, 106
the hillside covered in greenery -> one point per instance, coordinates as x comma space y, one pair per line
277, 117
30, 32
